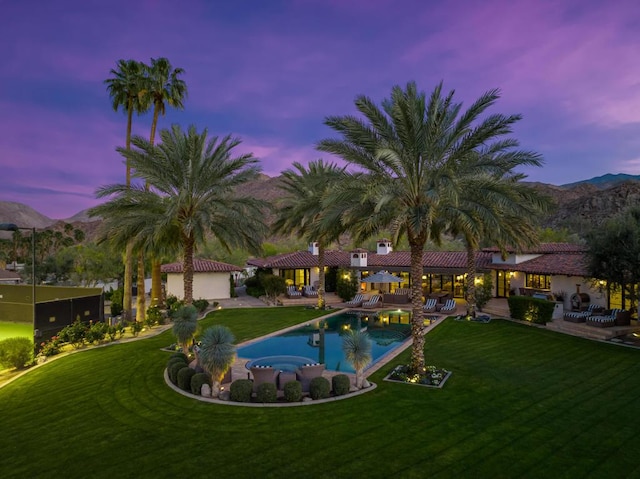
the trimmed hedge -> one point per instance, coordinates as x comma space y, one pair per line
16, 352
525, 308
341, 384
319, 388
184, 378
179, 355
267, 392
197, 380
173, 371
293, 391
174, 361
240, 390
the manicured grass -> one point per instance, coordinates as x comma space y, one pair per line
9, 329
522, 402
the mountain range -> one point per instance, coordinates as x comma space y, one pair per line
578, 206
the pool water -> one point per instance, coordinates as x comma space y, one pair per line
324, 345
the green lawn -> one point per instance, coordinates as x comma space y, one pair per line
522, 402
10, 329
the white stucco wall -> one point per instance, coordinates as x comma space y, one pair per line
568, 285
496, 258
205, 285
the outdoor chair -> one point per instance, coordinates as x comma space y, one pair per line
306, 373
430, 305
292, 292
581, 316
606, 320
449, 306
373, 301
310, 292
263, 374
356, 301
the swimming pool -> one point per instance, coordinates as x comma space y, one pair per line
324, 344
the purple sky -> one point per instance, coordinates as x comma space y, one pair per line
270, 71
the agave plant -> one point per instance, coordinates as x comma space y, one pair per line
185, 323
217, 353
356, 345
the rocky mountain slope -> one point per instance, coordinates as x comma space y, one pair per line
578, 207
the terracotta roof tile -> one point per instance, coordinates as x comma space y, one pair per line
10, 275
201, 266
545, 248
570, 264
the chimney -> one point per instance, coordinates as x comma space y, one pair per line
384, 246
358, 258
313, 248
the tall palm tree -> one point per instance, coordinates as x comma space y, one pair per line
162, 88
415, 152
125, 89
194, 189
302, 209
217, 353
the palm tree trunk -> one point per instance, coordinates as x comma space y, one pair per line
359, 378
471, 281
140, 299
156, 283
417, 321
187, 269
321, 275
128, 280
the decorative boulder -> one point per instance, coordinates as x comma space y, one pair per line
205, 391
366, 384
225, 395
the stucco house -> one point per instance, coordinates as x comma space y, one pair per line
9, 277
210, 279
549, 268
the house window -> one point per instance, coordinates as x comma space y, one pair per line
295, 277
538, 281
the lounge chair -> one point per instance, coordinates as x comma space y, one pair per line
310, 292
356, 302
372, 302
263, 374
306, 373
605, 320
581, 316
292, 292
430, 305
449, 306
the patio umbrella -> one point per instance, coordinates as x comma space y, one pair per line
382, 277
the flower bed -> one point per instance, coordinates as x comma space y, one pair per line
432, 377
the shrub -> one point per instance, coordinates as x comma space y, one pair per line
184, 378
96, 332
267, 392
341, 384
201, 304
535, 310
346, 288
74, 333
16, 352
136, 327
197, 380
240, 390
179, 355
254, 288
51, 347
173, 371
154, 316
172, 361
116, 302
293, 391
319, 388
484, 291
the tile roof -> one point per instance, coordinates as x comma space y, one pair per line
8, 275
544, 248
570, 264
201, 266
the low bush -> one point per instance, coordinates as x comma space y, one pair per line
74, 333
240, 390
51, 347
184, 378
535, 310
136, 327
16, 352
96, 332
201, 304
173, 370
267, 392
293, 391
319, 388
173, 361
153, 317
180, 355
197, 380
341, 384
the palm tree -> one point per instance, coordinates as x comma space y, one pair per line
162, 88
414, 153
356, 345
125, 90
302, 208
185, 324
194, 189
217, 353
